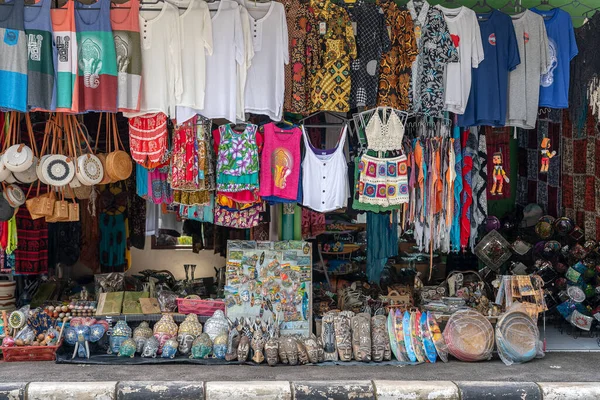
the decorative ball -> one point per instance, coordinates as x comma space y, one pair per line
561, 283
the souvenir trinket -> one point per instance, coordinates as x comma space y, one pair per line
288, 350
169, 349
202, 347
399, 332
379, 337
417, 341
216, 325
233, 341
546, 154
302, 353
343, 335
258, 346
127, 348
312, 348
469, 336
167, 325
151, 347
498, 174
188, 331
361, 337
272, 351
141, 334
243, 348
517, 338
80, 336
328, 338
119, 334
220, 346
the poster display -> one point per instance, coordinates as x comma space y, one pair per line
270, 280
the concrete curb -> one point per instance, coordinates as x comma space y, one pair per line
71, 391
144, 390
284, 390
255, 390
499, 390
333, 390
416, 390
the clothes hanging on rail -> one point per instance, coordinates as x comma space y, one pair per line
65, 40
41, 60
13, 56
126, 33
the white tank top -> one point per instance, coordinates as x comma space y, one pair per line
325, 184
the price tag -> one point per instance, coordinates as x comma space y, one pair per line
355, 28
389, 29
322, 28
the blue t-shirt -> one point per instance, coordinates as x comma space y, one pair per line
554, 85
488, 98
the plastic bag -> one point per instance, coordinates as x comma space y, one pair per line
517, 336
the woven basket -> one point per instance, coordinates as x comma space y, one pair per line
119, 165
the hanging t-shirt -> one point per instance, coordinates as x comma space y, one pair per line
41, 57
554, 91
65, 41
13, 59
280, 162
464, 31
125, 24
242, 69
221, 66
488, 99
197, 42
96, 58
265, 84
161, 41
524, 81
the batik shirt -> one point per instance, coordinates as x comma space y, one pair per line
331, 82
372, 40
396, 64
303, 36
435, 51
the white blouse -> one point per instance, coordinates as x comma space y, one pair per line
161, 61
197, 42
228, 52
265, 84
325, 184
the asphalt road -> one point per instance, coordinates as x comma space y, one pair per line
555, 367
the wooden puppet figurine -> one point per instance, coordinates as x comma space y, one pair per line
546, 155
499, 175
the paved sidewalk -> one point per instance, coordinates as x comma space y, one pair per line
555, 367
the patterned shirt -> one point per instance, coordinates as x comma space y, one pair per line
303, 36
396, 64
436, 49
372, 40
331, 81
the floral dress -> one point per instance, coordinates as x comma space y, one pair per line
237, 162
303, 36
184, 162
396, 64
372, 41
331, 82
436, 50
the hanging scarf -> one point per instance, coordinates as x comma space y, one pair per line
467, 191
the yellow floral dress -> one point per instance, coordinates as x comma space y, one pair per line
330, 85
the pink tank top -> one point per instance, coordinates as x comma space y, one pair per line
280, 162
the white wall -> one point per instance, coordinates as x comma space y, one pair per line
173, 260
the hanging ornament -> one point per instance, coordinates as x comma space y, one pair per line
546, 155
499, 175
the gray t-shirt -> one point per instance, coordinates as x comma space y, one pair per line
524, 81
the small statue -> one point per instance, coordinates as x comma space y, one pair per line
287, 346
379, 338
120, 333
498, 174
272, 351
80, 336
328, 337
141, 334
151, 347
546, 154
258, 346
343, 335
220, 346
216, 325
312, 349
361, 337
127, 348
202, 347
84, 295
165, 329
302, 353
233, 341
170, 348
188, 331
243, 349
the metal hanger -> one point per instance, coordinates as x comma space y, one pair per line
544, 3
483, 5
343, 120
511, 6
